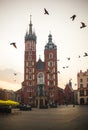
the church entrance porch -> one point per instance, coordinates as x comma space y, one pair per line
41, 101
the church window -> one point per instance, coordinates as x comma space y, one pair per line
48, 83
26, 70
33, 70
51, 83
54, 63
27, 63
48, 76
30, 70
33, 76
50, 55
54, 76
54, 83
50, 63
51, 77
54, 70
30, 83
30, 77
27, 83
32, 62
29, 58
33, 83
30, 52
40, 78
26, 77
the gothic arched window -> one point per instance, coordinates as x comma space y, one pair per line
50, 55
40, 78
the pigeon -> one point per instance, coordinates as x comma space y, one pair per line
46, 12
58, 72
14, 44
68, 58
83, 25
86, 54
66, 66
73, 17
63, 67
15, 73
79, 56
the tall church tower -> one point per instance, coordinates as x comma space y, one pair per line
29, 84
51, 76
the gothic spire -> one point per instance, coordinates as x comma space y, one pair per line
30, 26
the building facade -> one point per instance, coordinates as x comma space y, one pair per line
40, 85
82, 79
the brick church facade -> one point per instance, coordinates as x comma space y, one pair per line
40, 85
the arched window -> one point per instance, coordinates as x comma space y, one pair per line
50, 55
40, 78
50, 63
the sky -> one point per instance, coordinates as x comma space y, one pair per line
71, 41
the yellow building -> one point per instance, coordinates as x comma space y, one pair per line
82, 79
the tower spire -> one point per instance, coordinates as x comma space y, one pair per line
30, 26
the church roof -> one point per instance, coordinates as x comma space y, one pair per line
40, 65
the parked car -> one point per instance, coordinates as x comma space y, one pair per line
53, 105
25, 107
43, 107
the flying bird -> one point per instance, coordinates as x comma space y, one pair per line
85, 54
66, 66
14, 44
73, 17
63, 67
46, 12
58, 72
79, 56
83, 25
68, 58
15, 73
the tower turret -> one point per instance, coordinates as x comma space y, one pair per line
30, 35
50, 44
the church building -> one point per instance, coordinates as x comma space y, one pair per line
40, 85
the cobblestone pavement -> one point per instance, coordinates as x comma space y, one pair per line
61, 118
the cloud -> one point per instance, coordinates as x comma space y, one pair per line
9, 80
9, 86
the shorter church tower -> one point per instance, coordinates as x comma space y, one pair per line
51, 76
